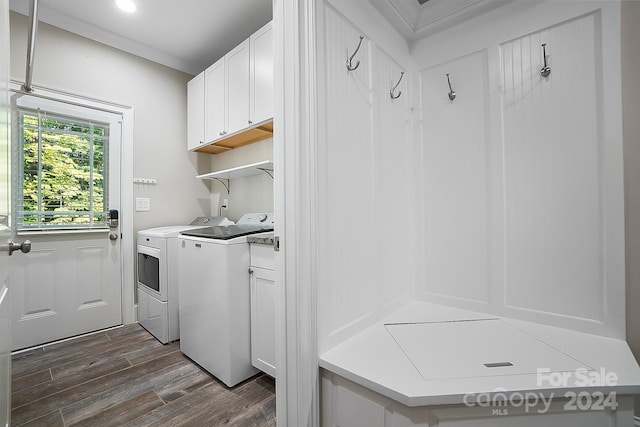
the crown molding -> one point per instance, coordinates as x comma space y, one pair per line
415, 21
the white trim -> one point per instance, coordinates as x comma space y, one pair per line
61, 231
75, 337
126, 183
297, 391
129, 310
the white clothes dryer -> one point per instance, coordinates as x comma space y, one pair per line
157, 279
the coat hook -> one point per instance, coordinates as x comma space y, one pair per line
546, 70
353, 67
391, 92
452, 94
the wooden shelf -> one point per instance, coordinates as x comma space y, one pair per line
240, 139
240, 171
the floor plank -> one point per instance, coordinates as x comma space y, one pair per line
91, 388
96, 369
120, 414
125, 376
29, 380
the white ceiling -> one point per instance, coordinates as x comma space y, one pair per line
187, 35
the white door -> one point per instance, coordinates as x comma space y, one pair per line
5, 224
70, 283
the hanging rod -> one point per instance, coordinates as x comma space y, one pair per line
452, 94
351, 67
31, 46
391, 92
226, 184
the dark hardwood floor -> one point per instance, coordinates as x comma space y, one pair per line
125, 377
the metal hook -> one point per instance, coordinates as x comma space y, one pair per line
452, 94
395, 87
349, 66
546, 70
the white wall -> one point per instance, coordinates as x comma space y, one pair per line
79, 66
366, 164
465, 239
522, 174
250, 194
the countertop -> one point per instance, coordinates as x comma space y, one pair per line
261, 239
427, 354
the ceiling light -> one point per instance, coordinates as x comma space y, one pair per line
126, 5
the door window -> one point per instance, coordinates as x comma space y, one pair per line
63, 172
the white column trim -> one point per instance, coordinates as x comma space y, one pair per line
297, 388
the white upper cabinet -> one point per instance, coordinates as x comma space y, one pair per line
195, 112
237, 77
215, 101
261, 96
231, 102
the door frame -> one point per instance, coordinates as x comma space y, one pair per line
126, 184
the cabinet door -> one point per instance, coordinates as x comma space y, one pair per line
263, 320
237, 71
214, 101
195, 112
261, 97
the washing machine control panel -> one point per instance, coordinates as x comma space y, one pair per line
258, 218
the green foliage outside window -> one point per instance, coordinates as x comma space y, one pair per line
63, 170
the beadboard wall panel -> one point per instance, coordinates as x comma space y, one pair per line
456, 179
553, 191
366, 265
394, 179
347, 173
553, 145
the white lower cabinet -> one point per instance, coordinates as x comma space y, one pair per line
346, 404
263, 309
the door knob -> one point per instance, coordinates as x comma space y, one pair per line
113, 236
25, 247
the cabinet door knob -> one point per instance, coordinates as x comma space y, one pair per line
249, 121
250, 271
221, 133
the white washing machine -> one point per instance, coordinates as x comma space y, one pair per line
214, 297
157, 277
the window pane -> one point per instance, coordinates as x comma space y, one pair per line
63, 172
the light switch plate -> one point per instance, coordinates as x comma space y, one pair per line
143, 204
